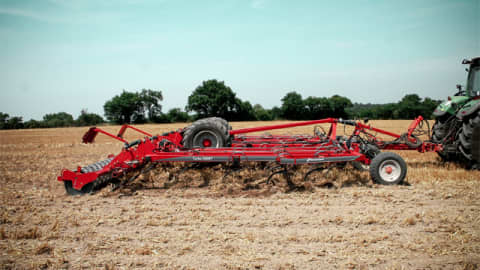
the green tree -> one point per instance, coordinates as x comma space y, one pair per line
262, 114
15, 122
338, 105
213, 98
88, 119
3, 120
125, 108
34, 124
242, 111
387, 111
317, 108
150, 101
176, 115
61, 119
428, 106
292, 106
409, 107
276, 113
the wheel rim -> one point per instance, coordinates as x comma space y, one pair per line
390, 170
207, 143
206, 138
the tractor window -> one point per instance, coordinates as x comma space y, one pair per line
474, 81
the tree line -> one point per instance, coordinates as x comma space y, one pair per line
51, 120
214, 98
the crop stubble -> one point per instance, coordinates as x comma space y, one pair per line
433, 222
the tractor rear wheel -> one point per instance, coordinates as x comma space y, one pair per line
468, 137
441, 134
210, 132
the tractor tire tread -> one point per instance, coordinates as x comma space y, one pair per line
466, 135
214, 123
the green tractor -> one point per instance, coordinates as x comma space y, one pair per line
457, 121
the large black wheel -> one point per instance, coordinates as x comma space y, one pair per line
468, 137
444, 132
388, 169
210, 132
222, 121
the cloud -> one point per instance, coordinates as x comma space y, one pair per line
258, 4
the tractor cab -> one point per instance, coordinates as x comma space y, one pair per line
473, 79
466, 97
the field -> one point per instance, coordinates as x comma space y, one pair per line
207, 223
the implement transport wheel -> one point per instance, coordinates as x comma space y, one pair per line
388, 169
206, 133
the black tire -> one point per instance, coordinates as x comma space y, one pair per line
206, 133
223, 122
476, 147
466, 136
440, 130
88, 188
388, 168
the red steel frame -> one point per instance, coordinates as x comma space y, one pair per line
283, 149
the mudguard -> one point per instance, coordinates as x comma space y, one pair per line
469, 108
438, 112
450, 106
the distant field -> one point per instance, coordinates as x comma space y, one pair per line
432, 222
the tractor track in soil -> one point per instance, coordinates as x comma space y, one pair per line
206, 221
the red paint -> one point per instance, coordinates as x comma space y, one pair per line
207, 143
284, 149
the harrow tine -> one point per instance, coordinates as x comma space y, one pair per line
323, 170
174, 178
270, 181
231, 170
131, 179
280, 169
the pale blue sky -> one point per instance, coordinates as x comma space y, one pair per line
65, 55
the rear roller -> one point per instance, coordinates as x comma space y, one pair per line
92, 186
88, 188
388, 169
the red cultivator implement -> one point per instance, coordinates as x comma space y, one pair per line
212, 141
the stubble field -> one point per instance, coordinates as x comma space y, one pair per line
207, 222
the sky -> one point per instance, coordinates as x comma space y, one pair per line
69, 55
